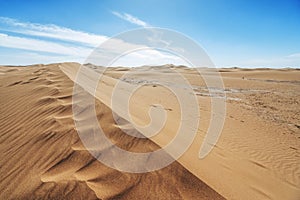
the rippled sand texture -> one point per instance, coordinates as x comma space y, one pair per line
42, 156
256, 157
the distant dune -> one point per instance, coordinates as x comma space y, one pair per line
42, 156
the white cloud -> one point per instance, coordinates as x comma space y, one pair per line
51, 31
130, 18
148, 57
29, 58
295, 56
292, 60
33, 38
42, 46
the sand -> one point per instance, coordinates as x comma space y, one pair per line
42, 157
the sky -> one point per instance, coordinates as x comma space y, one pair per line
234, 33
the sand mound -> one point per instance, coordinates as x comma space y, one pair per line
42, 156
257, 155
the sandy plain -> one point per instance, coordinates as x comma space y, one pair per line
257, 155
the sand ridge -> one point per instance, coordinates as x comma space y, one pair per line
43, 158
257, 154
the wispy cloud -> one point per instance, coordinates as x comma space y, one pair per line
148, 57
44, 43
50, 31
70, 45
130, 18
295, 56
42, 46
29, 58
292, 60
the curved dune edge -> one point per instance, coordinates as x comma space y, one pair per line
257, 156
42, 156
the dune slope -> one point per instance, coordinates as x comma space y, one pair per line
257, 155
42, 156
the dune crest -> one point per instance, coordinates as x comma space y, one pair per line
258, 151
43, 157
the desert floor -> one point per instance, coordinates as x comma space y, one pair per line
42, 157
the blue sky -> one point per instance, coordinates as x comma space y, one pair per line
240, 33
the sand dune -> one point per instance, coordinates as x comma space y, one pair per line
256, 157
42, 156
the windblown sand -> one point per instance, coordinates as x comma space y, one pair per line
256, 157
